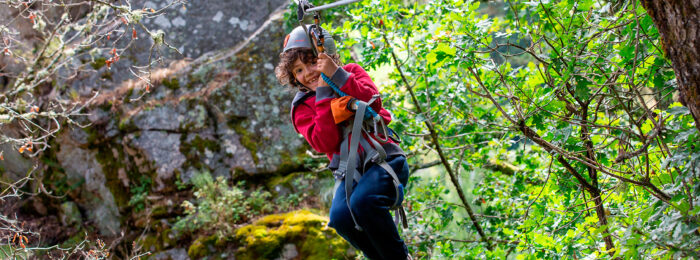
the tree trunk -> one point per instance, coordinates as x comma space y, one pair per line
678, 22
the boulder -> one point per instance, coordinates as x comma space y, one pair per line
82, 169
301, 234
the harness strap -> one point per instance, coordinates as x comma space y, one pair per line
350, 164
395, 178
402, 212
343, 162
375, 153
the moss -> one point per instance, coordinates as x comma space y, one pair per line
171, 83
281, 180
127, 96
248, 140
202, 247
197, 112
166, 239
106, 75
127, 125
159, 211
199, 144
98, 63
194, 151
112, 161
110, 168
290, 163
307, 231
92, 135
74, 240
55, 177
151, 242
202, 74
244, 58
155, 242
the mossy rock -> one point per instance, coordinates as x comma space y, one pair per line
171, 83
98, 63
266, 238
156, 242
152, 243
248, 139
202, 247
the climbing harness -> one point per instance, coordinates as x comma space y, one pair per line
374, 153
366, 122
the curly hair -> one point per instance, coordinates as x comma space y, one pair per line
283, 71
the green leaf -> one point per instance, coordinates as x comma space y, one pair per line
679, 110
431, 58
582, 88
446, 49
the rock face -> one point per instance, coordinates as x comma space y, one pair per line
80, 165
200, 27
194, 29
220, 110
224, 114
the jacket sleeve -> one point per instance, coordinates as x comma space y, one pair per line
355, 82
316, 123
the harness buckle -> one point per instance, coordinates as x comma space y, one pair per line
338, 175
377, 158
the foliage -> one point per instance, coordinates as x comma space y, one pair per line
220, 207
139, 193
293, 199
576, 96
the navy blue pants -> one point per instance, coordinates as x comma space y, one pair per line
370, 201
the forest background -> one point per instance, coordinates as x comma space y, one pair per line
534, 129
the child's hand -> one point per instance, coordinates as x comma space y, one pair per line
326, 65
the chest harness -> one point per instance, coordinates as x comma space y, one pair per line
366, 122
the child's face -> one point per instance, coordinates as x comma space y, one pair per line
307, 74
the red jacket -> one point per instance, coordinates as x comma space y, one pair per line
311, 112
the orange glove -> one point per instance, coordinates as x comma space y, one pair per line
339, 107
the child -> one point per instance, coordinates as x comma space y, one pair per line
369, 227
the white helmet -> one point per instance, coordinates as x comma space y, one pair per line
299, 39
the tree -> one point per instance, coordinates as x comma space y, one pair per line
679, 26
577, 95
